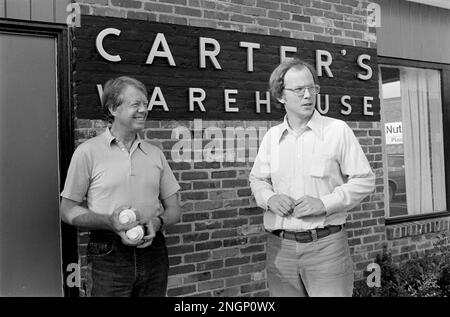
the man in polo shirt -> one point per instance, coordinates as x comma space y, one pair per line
309, 171
115, 171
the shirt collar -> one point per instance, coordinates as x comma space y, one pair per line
315, 124
110, 138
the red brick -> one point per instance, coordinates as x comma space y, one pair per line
194, 237
305, 3
191, 217
223, 174
355, 241
208, 245
259, 257
343, 9
237, 261
181, 290
224, 234
182, 269
262, 238
157, 7
182, 2
209, 225
209, 205
371, 239
252, 249
238, 280
127, 3
197, 277
222, 194
232, 223
226, 272
253, 287
210, 285
220, 214
179, 166
241, 18
207, 165
232, 183
217, 264
321, 5
173, 250
194, 175
206, 184
267, 4
235, 241
301, 18
225, 253
237, 203
227, 292
352, 3
179, 228
194, 196
252, 268
174, 260
256, 220
197, 257
188, 12
244, 192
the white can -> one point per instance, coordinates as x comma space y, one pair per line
127, 216
136, 233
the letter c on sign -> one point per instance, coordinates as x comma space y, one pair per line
99, 44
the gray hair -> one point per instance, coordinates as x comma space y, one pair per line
112, 93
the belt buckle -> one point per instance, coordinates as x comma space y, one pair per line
314, 235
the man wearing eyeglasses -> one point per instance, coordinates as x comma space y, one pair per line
309, 171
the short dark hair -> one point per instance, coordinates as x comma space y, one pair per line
112, 93
276, 81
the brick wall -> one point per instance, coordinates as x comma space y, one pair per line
334, 21
218, 249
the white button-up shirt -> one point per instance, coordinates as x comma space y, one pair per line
325, 161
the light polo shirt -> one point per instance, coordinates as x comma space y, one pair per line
325, 161
109, 177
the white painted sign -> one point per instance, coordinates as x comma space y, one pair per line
394, 133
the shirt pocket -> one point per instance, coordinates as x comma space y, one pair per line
320, 165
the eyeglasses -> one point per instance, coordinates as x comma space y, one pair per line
300, 92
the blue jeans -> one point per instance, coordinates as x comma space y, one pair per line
117, 270
320, 268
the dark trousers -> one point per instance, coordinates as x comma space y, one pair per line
117, 270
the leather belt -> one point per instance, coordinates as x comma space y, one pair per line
308, 236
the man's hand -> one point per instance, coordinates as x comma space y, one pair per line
153, 225
307, 205
281, 205
121, 229
114, 223
127, 241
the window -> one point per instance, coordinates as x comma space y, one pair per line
413, 132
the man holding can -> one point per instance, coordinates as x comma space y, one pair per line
309, 171
117, 171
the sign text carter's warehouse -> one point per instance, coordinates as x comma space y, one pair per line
193, 72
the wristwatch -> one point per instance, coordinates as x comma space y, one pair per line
161, 221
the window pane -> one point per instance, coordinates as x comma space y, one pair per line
412, 113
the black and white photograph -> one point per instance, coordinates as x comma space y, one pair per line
224, 155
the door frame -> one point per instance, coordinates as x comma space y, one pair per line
62, 35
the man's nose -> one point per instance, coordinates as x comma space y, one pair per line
142, 107
307, 93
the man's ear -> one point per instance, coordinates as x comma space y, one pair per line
112, 112
281, 100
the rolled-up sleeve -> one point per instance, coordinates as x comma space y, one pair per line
355, 166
